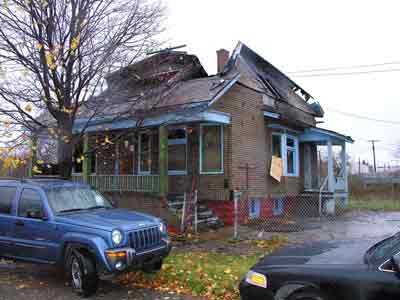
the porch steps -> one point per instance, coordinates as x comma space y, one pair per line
205, 217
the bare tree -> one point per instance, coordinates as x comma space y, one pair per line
54, 55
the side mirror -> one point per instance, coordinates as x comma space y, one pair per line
36, 214
396, 263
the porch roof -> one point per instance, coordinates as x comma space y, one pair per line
172, 118
322, 136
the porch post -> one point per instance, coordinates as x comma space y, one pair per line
33, 155
331, 177
344, 164
163, 159
87, 162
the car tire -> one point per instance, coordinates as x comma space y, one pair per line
308, 294
82, 273
153, 267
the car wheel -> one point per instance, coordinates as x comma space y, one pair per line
308, 294
153, 267
83, 275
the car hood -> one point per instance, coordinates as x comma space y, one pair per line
109, 219
316, 256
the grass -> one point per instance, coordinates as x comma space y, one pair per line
207, 274
374, 204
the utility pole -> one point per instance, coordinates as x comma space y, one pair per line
373, 152
359, 166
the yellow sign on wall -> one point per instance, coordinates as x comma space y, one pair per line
276, 171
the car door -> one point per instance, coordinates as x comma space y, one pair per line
7, 197
377, 285
34, 233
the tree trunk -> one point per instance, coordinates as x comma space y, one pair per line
65, 149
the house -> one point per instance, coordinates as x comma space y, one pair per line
216, 134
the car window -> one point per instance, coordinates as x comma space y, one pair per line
385, 249
30, 201
66, 199
7, 194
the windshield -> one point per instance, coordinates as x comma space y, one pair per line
384, 250
68, 199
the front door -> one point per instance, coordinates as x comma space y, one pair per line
34, 235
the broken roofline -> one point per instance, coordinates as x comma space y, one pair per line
189, 112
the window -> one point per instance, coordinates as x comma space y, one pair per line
211, 149
7, 195
255, 208
278, 207
144, 153
66, 199
291, 156
276, 145
286, 147
177, 151
30, 202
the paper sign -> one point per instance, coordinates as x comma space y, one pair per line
276, 171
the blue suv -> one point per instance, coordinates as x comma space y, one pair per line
73, 226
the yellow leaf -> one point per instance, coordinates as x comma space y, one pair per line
36, 170
39, 46
28, 108
75, 42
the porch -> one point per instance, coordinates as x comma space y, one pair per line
164, 156
333, 185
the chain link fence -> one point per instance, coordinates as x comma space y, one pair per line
285, 213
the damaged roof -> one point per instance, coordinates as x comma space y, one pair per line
275, 81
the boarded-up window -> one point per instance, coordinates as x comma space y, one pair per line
211, 149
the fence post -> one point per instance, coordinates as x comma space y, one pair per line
236, 198
183, 213
195, 211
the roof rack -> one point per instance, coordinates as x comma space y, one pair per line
46, 177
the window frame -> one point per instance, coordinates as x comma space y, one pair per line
43, 206
10, 213
284, 148
182, 141
221, 128
140, 172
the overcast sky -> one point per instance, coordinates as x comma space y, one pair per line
298, 35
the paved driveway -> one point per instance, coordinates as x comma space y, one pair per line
20, 280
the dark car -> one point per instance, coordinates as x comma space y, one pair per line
340, 273
73, 226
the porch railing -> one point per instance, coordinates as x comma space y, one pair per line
122, 183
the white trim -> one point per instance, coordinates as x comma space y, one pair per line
284, 149
201, 145
139, 153
271, 114
183, 141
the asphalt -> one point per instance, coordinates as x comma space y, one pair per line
341, 241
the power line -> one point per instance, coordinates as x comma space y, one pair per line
349, 73
345, 67
352, 115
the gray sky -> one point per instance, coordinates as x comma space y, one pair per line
308, 34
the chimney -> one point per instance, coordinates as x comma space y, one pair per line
222, 59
